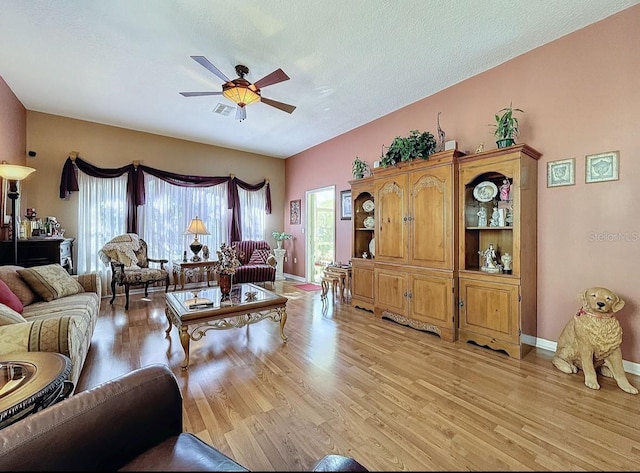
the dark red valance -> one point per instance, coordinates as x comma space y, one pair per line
136, 190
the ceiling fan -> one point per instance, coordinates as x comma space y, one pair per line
240, 90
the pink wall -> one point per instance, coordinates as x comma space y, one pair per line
13, 127
580, 95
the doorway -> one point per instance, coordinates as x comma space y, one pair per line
321, 230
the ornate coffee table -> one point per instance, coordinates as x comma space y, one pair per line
196, 312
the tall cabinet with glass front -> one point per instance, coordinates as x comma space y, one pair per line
497, 259
363, 245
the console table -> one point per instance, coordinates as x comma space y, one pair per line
38, 251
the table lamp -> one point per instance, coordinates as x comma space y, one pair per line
196, 227
14, 173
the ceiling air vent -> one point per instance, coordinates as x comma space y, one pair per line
224, 110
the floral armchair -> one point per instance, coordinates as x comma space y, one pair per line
127, 256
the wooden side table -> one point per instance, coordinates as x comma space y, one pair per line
179, 268
31, 381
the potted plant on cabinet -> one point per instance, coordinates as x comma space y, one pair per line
506, 128
359, 168
416, 145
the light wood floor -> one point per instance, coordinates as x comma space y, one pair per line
392, 397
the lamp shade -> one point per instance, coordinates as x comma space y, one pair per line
196, 227
13, 172
241, 92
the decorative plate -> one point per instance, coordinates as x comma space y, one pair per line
372, 247
368, 206
369, 222
485, 191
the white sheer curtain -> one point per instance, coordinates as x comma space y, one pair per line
102, 215
252, 205
168, 211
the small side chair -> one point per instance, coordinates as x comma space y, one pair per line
140, 275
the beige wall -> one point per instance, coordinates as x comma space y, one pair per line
54, 137
13, 139
13, 136
581, 96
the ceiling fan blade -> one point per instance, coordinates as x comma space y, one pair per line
197, 94
203, 61
282, 106
273, 78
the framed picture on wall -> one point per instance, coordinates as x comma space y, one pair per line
602, 167
561, 173
294, 212
345, 205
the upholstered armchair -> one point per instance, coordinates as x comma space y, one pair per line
130, 423
127, 256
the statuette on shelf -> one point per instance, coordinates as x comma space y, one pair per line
495, 218
489, 263
506, 262
505, 190
482, 217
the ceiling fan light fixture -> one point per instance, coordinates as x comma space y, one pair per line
241, 92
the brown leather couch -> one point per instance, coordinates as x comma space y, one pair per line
131, 423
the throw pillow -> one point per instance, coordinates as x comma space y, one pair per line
50, 281
9, 299
259, 257
9, 316
9, 274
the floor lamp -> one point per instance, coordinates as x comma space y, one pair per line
14, 173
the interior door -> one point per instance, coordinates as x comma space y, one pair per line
321, 230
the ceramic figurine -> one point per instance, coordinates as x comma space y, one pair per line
505, 190
506, 262
495, 218
482, 217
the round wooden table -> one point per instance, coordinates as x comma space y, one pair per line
30, 382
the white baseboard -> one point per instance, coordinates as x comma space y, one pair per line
294, 277
629, 366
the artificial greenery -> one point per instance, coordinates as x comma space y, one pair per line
360, 168
280, 236
506, 126
416, 145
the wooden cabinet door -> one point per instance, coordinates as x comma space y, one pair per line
490, 309
391, 291
432, 224
362, 280
391, 219
432, 302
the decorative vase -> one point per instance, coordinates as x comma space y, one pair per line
224, 281
279, 242
506, 143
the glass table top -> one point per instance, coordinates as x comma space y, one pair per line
209, 298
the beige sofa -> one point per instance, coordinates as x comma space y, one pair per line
64, 325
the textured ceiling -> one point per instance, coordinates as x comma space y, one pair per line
123, 63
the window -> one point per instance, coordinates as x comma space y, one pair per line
168, 211
252, 205
102, 215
